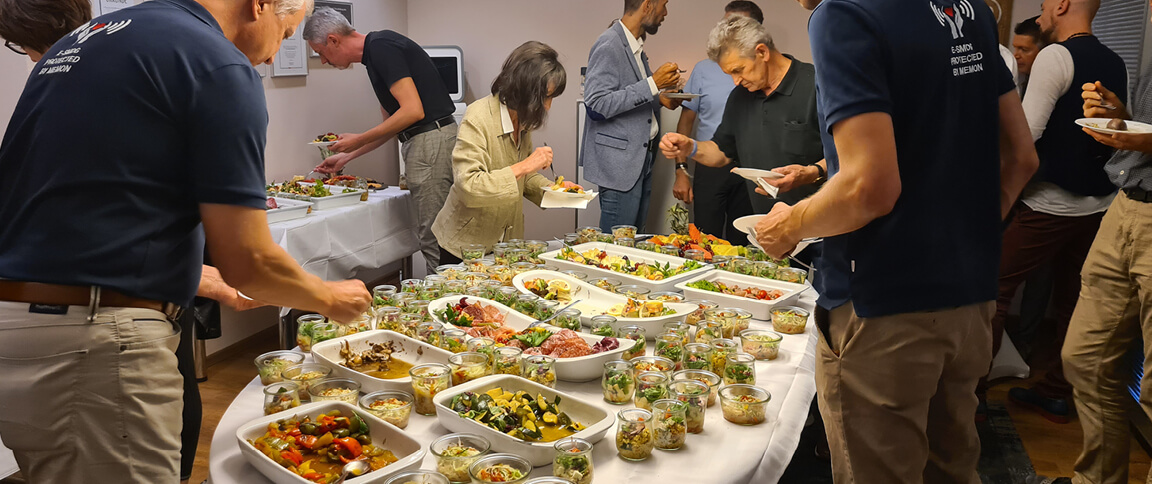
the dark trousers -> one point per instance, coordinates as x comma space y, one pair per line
720, 198
1032, 240
190, 435
447, 258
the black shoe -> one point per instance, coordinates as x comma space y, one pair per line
1054, 409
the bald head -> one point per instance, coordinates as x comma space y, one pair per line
1060, 19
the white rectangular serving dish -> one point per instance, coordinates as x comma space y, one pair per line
337, 199
760, 309
596, 301
633, 254
412, 351
384, 435
596, 420
579, 369
290, 209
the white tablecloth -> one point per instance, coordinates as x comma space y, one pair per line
7, 462
723, 453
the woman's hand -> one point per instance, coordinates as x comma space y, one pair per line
538, 160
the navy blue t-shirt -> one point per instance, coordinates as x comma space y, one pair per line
935, 67
124, 127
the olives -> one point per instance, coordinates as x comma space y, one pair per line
308, 428
364, 439
1118, 124
341, 433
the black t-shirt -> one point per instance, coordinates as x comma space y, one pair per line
780, 129
126, 126
391, 57
935, 67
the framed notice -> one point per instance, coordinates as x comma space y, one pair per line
292, 59
108, 6
345, 9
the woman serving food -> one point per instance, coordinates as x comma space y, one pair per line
494, 162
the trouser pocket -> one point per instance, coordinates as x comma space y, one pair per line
37, 396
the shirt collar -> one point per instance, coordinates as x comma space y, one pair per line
505, 119
788, 83
637, 45
198, 11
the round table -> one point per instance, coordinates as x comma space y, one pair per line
723, 453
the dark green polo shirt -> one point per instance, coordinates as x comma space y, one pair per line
776, 130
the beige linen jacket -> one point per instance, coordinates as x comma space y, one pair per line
484, 206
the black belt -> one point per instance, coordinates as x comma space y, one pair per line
409, 133
1139, 195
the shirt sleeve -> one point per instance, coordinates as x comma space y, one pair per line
851, 66
725, 136
1051, 77
227, 131
389, 62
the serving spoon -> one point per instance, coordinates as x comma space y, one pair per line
557, 313
355, 468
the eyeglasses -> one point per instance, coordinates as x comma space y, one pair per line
17, 48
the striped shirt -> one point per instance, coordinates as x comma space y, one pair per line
1133, 169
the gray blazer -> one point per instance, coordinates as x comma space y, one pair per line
620, 106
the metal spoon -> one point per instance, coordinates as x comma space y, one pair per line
355, 468
557, 313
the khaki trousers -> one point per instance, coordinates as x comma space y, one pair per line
91, 402
1114, 311
897, 393
428, 167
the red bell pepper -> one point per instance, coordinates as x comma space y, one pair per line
293, 455
351, 446
307, 441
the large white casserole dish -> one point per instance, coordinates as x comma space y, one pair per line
409, 350
634, 255
384, 435
289, 209
760, 309
595, 419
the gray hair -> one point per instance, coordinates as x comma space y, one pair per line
289, 7
324, 22
740, 33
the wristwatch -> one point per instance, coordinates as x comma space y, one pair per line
821, 176
682, 166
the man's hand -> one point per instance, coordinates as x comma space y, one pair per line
774, 232
1141, 142
349, 142
540, 159
676, 146
334, 163
1094, 95
349, 300
682, 189
794, 176
670, 103
667, 76
212, 286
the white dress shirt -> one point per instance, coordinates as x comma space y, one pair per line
637, 46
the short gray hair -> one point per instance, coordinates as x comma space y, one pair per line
289, 7
324, 22
740, 33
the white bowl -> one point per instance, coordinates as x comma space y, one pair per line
597, 422
411, 351
760, 309
634, 254
384, 435
579, 369
596, 301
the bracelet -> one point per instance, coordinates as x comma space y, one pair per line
694, 148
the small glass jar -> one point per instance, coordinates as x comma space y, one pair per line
696, 255
430, 293
363, 322
485, 346
516, 256
763, 344
628, 231
545, 309
694, 394
455, 453
392, 407
696, 316
744, 404
671, 250
312, 329
605, 238
472, 252
666, 296
403, 299
515, 243
721, 261
480, 265
500, 254
455, 340
636, 296
671, 346
475, 291
492, 289
653, 363
573, 460
604, 325
789, 320
794, 275
508, 295
605, 283
740, 367
568, 319
502, 273
412, 285
727, 317
417, 307
535, 248
740, 322
588, 234
703, 376
520, 464
764, 269
418, 477
680, 329
708, 330
625, 241
473, 279
507, 361
637, 334
281, 396
619, 382
305, 375
668, 416
388, 317
410, 323
650, 387
698, 356
450, 272
540, 369
335, 390
431, 333
522, 267
634, 434
580, 276
270, 364
436, 280
468, 366
571, 240
739, 265
648, 246
754, 253
455, 286
721, 348
526, 304
428, 380
382, 295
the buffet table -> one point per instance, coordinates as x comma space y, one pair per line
723, 453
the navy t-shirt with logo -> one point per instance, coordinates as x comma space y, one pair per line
125, 126
934, 67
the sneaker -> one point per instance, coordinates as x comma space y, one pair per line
1053, 409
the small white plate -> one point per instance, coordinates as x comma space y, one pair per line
745, 223
755, 174
681, 95
1099, 125
800, 246
322, 144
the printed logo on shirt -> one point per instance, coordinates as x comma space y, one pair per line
954, 17
64, 60
86, 31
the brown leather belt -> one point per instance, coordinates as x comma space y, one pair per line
89, 296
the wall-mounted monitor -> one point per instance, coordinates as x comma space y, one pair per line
449, 60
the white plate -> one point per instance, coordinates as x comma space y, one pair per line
596, 420
800, 246
760, 309
596, 301
561, 199
411, 351
290, 209
634, 254
384, 435
322, 144
745, 223
687, 96
579, 369
1099, 125
755, 174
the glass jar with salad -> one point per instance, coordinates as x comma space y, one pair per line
648, 246
739, 265
573, 460
526, 304
492, 290
402, 299
418, 477
545, 309
410, 322
721, 348
605, 283
535, 248
568, 319
697, 356
636, 295
605, 238
270, 364
388, 317
312, 329
708, 330
680, 329
587, 234
500, 253
508, 295
794, 275
517, 256
305, 375
430, 293
703, 376
625, 241
418, 306
763, 344
485, 346
412, 285
428, 380
634, 434
455, 340
382, 295
281, 396
604, 325
431, 333
637, 334
455, 453
650, 386
502, 273
455, 286
754, 253
727, 318
628, 231
450, 272
789, 320
467, 366
671, 346
740, 367
507, 360
471, 252
619, 382
668, 424
437, 281
666, 296
473, 279
392, 407
694, 394
696, 316
764, 269
653, 363
522, 267
744, 404
335, 390
497, 468
571, 239
671, 250
580, 276
540, 369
